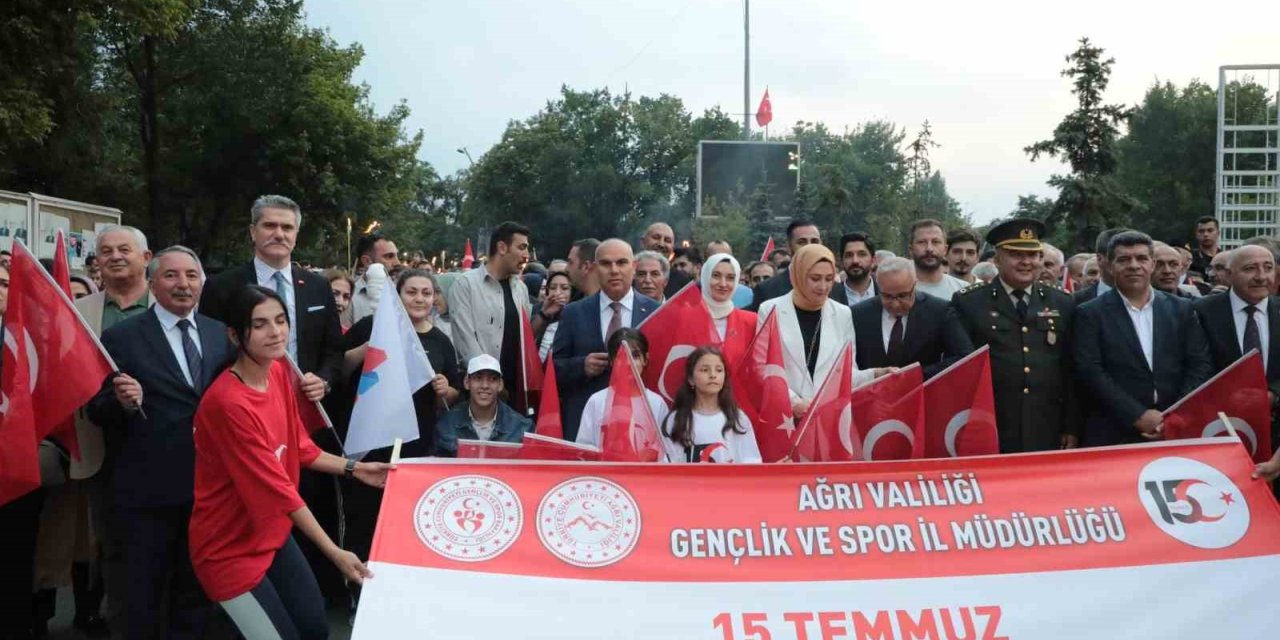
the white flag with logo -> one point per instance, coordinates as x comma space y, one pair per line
395, 366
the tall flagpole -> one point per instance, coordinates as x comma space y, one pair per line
746, 69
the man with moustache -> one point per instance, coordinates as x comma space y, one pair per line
962, 254
652, 271
858, 258
1167, 271
928, 247
661, 239
1052, 261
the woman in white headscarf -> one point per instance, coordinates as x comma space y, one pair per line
735, 326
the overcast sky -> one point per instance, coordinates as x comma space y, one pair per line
984, 73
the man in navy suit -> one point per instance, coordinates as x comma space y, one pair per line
1137, 350
582, 365
901, 325
167, 356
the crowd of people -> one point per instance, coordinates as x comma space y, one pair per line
198, 490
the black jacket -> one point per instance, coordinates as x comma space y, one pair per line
929, 338
319, 329
1111, 367
153, 457
1214, 313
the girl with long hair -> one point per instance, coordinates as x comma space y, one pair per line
705, 423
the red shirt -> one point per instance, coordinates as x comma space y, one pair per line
250, 447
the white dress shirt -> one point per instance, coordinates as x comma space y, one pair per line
597, 409
1014, 299
886, 327
1240, 316
1144, 319
172, 334
855, 297
1103, 287
606, 312
267, 278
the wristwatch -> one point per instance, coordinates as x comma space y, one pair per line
350, 469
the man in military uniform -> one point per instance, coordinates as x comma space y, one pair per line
1027, 324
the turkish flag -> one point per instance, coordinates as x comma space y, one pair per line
468, 256
889, 415
629, 432
827, 433
528, 391
536, 447
52, 366
760, 386
960, 409
486, 450
1068, 284
679, 326
549, 421
764, 114
768, 249
1240, 392
66, 431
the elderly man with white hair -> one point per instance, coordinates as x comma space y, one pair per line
902, 325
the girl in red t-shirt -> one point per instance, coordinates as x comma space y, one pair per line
250, 447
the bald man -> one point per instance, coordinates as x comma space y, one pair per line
582, 364
659, 238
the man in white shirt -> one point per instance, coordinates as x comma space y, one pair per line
1138, 350
1247, 316
928, 247
858, 259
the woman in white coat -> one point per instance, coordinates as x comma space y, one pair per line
814, 328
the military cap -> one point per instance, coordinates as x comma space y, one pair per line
1019, 234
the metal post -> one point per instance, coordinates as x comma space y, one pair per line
746, 69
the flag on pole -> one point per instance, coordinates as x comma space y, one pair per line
528, 392
488, 450
537, 447
960, 409
629, 432
66, 431
679, 326
395, 367
827, 433
549, 420
768, 249
312, 414
468, 256
52, 365
764, 114
889, 415
1240, 392
760, 385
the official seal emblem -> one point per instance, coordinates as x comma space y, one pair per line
589, 522
469, 518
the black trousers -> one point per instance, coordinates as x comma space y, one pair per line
19, 526
162, 597
287, 603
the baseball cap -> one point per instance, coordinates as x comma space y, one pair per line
483, 362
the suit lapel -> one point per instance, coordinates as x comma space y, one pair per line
592, 304
1163, 330
1120, 321
1221, 308
828, 348
1004, 304
1273, 332
877, 335
792, 338
211, 342
154, 335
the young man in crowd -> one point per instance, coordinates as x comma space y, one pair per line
379, 260
928, 249
962, 254
484, 416
485, 303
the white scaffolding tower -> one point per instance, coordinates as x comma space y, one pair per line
1248, 170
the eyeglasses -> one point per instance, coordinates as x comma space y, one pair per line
898, 297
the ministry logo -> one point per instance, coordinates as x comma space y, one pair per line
1193, 502
589, 522
469, 518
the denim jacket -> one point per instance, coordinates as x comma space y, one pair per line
456, 423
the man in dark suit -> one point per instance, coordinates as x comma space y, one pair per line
315, 343
1246, 318
901, 325
582, 365
167, 356
1137, 350
800, 232
1028, 326
1104, 283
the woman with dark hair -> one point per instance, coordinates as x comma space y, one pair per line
593, 414
557, 290
250, 446
705, 424
418, 291
342, 286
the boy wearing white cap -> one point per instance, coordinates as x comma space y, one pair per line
484, 416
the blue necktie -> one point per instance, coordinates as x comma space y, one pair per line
194, 361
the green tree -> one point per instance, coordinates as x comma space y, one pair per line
1089, 198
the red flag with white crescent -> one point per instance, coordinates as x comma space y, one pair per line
630, 431
66, 431
960, 409
764, 114
468, 256
768, 249
53, 365
760, 386
1240, 393
827, 433
679, 326
889, 415
528, 391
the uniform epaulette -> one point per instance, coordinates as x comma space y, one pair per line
973, 287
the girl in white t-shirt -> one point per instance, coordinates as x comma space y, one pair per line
705, 424
593, 414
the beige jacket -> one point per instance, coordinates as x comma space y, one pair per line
478, 312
